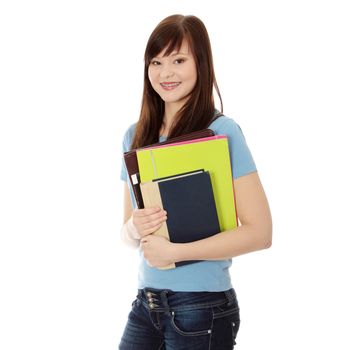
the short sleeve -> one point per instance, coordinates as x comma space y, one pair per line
123, 172
242, 162
126, 144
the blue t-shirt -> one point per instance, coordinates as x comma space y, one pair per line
210, 276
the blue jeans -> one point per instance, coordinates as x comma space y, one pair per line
162, 319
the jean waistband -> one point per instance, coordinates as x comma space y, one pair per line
166, 300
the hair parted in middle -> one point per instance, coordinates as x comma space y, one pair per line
199, 108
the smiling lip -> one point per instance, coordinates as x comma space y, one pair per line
169, 86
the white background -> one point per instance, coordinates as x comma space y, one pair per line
70, 85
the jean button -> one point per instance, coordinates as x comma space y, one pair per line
151, 306
149, 294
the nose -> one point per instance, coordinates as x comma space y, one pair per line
166, 71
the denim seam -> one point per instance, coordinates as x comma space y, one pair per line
226, 313
186, 307
199, 306
154, 325
187, 334
161, 345
211, 327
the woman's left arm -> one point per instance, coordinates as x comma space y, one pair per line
254, 233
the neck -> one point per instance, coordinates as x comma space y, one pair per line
170, 111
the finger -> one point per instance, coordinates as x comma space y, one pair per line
151, 219
151, 230
143, 224
146, 211
152, 225
154, 222
161, 215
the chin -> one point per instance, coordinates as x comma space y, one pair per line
169, 99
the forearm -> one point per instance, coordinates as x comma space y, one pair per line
129, 235
225, 245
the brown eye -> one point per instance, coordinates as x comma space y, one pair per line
155, 63
179, 60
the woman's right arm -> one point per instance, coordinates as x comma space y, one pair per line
127, 235
127, 203
140, 222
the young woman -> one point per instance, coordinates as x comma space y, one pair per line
193, 306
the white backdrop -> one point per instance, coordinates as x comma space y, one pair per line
70, 85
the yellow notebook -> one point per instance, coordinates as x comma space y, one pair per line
209, 153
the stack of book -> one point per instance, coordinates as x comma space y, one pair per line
190, 177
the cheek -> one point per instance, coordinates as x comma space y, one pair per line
153, 79
192, 74
193, 79
151, 75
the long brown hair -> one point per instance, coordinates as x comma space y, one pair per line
199, 108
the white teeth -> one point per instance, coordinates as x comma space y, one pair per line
169, 85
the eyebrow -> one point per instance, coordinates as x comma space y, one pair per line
175, 54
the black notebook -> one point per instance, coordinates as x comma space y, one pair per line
189, 201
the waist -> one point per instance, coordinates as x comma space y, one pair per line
166, 299
209, 276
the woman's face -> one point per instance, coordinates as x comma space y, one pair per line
173, 77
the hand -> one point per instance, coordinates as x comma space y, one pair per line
147, 221
157, 250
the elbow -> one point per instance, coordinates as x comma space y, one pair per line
127, 240
264, 236
267, 244
267, 241
267, 225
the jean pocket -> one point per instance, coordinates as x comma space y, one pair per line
192, 322
226, 324
235, 327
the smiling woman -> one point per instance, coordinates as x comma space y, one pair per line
177, 51
193, 306
173, 77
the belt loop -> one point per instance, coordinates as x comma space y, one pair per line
230, 295
164, 297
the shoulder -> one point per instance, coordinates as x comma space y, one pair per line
242, 161
128, 136
225, 125
130, 130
